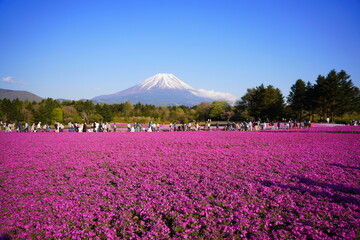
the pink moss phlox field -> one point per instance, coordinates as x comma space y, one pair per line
176, 185
324, 128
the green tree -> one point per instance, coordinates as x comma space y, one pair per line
87, 107
357, 100
57, 115
218, 110
127, 109
104, 111
310, 103
6, 108
17, 110
335, 94
297, 98
43, 113
164, 113
178, 115
70, 114
262, 103
95, 118
11, 110
203, 111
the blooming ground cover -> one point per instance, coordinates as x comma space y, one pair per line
324, 128
196, 185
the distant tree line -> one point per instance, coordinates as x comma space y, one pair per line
333, 96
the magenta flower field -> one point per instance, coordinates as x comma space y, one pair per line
180, 185
324, 128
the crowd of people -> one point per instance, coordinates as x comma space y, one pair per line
248, 125
57, 127
208, 125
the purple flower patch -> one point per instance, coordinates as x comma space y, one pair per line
176, 185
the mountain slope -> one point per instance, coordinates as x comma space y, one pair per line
21, 95
158, 97
161, 89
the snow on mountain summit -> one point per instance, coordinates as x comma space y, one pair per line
163, 81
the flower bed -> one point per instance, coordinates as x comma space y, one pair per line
338, 128
335, 128
197, 185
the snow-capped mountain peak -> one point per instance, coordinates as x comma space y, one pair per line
164, 89
163, 81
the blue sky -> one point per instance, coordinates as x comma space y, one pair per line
85, 48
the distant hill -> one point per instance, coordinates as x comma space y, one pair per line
21, 95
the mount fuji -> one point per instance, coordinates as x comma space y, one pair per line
164, 89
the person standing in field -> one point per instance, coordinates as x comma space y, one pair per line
101, 127
151, 125
228, 126
80, 127
8, 128
38, 128
71, 127
18, 126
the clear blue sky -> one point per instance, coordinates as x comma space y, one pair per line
78, 49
